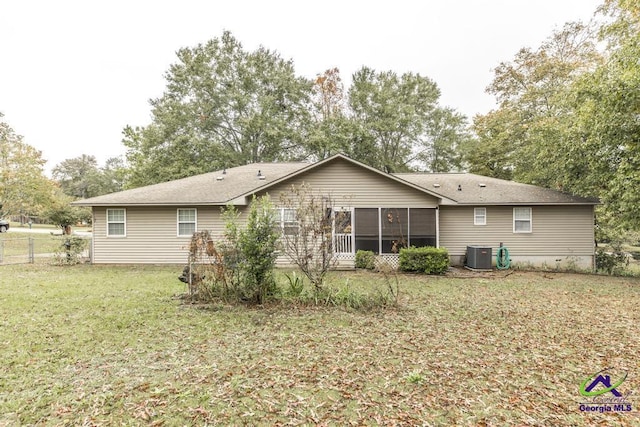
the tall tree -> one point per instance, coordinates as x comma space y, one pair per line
446, 137
391, 113
76, 176
330, 131
492, 151
568, 115
24, 189
607, 104
223, 106
82, 177
113, 175
527, 136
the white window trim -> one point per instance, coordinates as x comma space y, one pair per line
116, 222
178, 222
281, 218
530, 220
475, 216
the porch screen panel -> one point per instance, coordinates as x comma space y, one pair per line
422, 227
394, 224
367, 231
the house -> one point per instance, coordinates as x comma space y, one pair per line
539, 226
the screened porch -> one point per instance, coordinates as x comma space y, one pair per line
384, 231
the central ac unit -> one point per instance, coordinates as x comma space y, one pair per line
479, 257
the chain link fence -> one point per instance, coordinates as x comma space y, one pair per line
39, 249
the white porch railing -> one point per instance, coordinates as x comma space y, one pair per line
343, 244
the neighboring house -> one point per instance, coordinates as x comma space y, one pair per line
539, 226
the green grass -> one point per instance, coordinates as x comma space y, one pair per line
97, 345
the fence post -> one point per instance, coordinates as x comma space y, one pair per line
31, 256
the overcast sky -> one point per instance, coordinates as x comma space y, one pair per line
74, 73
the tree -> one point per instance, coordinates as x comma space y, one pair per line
391, 115
607, 105
568, 116
76, 176
24, 189
330, 131
239, 266
528, 136
491, 153
113, 175
446, 136
223, 107
81, 177
61, 213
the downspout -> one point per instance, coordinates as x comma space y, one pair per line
437, 226
93, 233
379, 231
594, 265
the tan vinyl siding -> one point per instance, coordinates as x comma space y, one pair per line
357, 187
556, 230
151, 235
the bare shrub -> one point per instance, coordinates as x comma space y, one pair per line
310, 245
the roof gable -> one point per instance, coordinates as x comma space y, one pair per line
355, 163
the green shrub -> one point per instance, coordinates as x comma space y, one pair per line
428, 260
365, 259
70, 251
258, 244
611, 262
239, 267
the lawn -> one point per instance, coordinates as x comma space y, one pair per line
97, 345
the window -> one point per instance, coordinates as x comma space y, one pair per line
116, 222
287, 220
479, 216
522, 220
186, 222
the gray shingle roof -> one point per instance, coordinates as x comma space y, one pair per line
468, 188
205, 189
209, 189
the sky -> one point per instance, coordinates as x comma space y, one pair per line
73, 74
